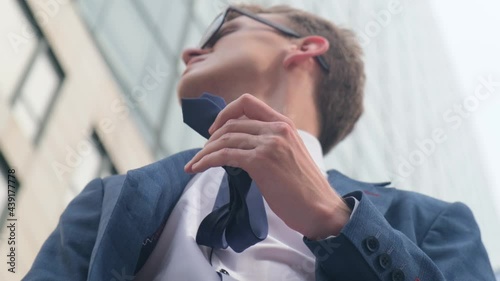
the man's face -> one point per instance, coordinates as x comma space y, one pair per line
245, 56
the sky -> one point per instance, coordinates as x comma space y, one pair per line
470, 31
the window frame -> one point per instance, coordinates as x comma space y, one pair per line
16, 97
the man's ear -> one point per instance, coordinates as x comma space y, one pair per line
307, 48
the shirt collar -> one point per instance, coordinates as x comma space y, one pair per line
314, 148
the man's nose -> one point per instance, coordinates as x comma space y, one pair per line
189, 53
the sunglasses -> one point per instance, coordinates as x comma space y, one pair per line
215, 26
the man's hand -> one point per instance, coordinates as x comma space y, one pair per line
249, 134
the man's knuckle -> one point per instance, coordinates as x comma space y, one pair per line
230, 126
275, 142
226, 137
225, 151
282, 128
260, 155
230, 123
246, 97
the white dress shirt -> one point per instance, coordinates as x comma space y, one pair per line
281, 256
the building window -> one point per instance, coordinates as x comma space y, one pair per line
38, 78
36, 95
18, 44
95, 164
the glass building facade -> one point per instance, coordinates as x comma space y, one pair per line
141, 41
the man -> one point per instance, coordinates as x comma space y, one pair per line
305, 81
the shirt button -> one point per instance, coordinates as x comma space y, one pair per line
384, 260
372, 244
398, 275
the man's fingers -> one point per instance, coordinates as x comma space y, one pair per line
251, 127
240, 141
233, 157
249, 106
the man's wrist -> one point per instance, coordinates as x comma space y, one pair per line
336, 219
340, 217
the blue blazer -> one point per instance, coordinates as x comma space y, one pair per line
108, 231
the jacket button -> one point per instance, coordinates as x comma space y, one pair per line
398, 275
223, 271
372, 244
384, 260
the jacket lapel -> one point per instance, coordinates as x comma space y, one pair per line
145, 201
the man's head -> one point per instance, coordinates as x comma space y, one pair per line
246, 55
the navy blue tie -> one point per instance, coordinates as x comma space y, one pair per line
241, 222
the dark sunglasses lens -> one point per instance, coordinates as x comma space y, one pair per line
211, 30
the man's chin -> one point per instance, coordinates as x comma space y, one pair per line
189, 89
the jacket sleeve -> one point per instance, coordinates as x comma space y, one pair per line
369, 248
66, 253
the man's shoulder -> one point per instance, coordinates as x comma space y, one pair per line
410, 212
172, 165
415, 200
392, 200
420, 210
387, 189
169, 162
412, 201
